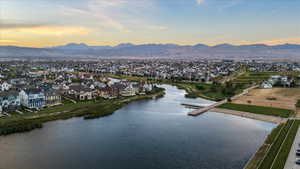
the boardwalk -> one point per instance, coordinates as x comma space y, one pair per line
205, 109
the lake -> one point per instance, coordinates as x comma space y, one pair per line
149, 134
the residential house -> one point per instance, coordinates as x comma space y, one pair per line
5, 86
9, 101
33, 98
52, 97
266, 85
80, 92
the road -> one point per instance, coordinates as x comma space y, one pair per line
290, 162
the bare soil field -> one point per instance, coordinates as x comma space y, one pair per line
285, 98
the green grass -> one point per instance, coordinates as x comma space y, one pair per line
253, 77
285, 113
280, 160
260, 154
258, 77
268, 160
216, 92
272, 136
298, 104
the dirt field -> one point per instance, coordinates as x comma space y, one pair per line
277, 97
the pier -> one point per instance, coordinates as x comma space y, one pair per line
205, 109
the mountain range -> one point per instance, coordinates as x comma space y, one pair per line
228, 51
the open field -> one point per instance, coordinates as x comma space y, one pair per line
285, 98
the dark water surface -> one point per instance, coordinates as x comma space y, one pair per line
151, 134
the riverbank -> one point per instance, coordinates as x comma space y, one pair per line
274, 152
88, 110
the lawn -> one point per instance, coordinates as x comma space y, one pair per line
215, 92
286, 147
298, 104
285, 113
273, 151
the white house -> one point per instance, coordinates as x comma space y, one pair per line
5, 86
266, 85
33, 98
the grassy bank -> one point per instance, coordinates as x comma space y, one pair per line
285, 113
283, 154
268, 160
274, 152
262, 151
88, 110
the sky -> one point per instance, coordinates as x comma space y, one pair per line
44, 23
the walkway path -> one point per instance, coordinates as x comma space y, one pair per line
205, 109
290, 162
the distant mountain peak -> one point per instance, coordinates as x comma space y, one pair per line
124, 45
224, 45
199, 45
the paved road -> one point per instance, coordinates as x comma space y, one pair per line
290, 163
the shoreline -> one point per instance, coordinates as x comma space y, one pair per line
88, 110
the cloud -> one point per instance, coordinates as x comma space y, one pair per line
220, 4
157, 27
293, 40
4, 25
5, 41
45, 30
114, 15
200, 1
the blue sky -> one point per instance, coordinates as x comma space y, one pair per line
109, 22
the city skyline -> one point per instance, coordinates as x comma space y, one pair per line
37, 23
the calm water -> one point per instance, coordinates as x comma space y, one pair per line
152, 134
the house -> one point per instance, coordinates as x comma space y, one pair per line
52, 97
9, 101
109, 92
80, 92
4, 86
266, 85
33, 98
128, 91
